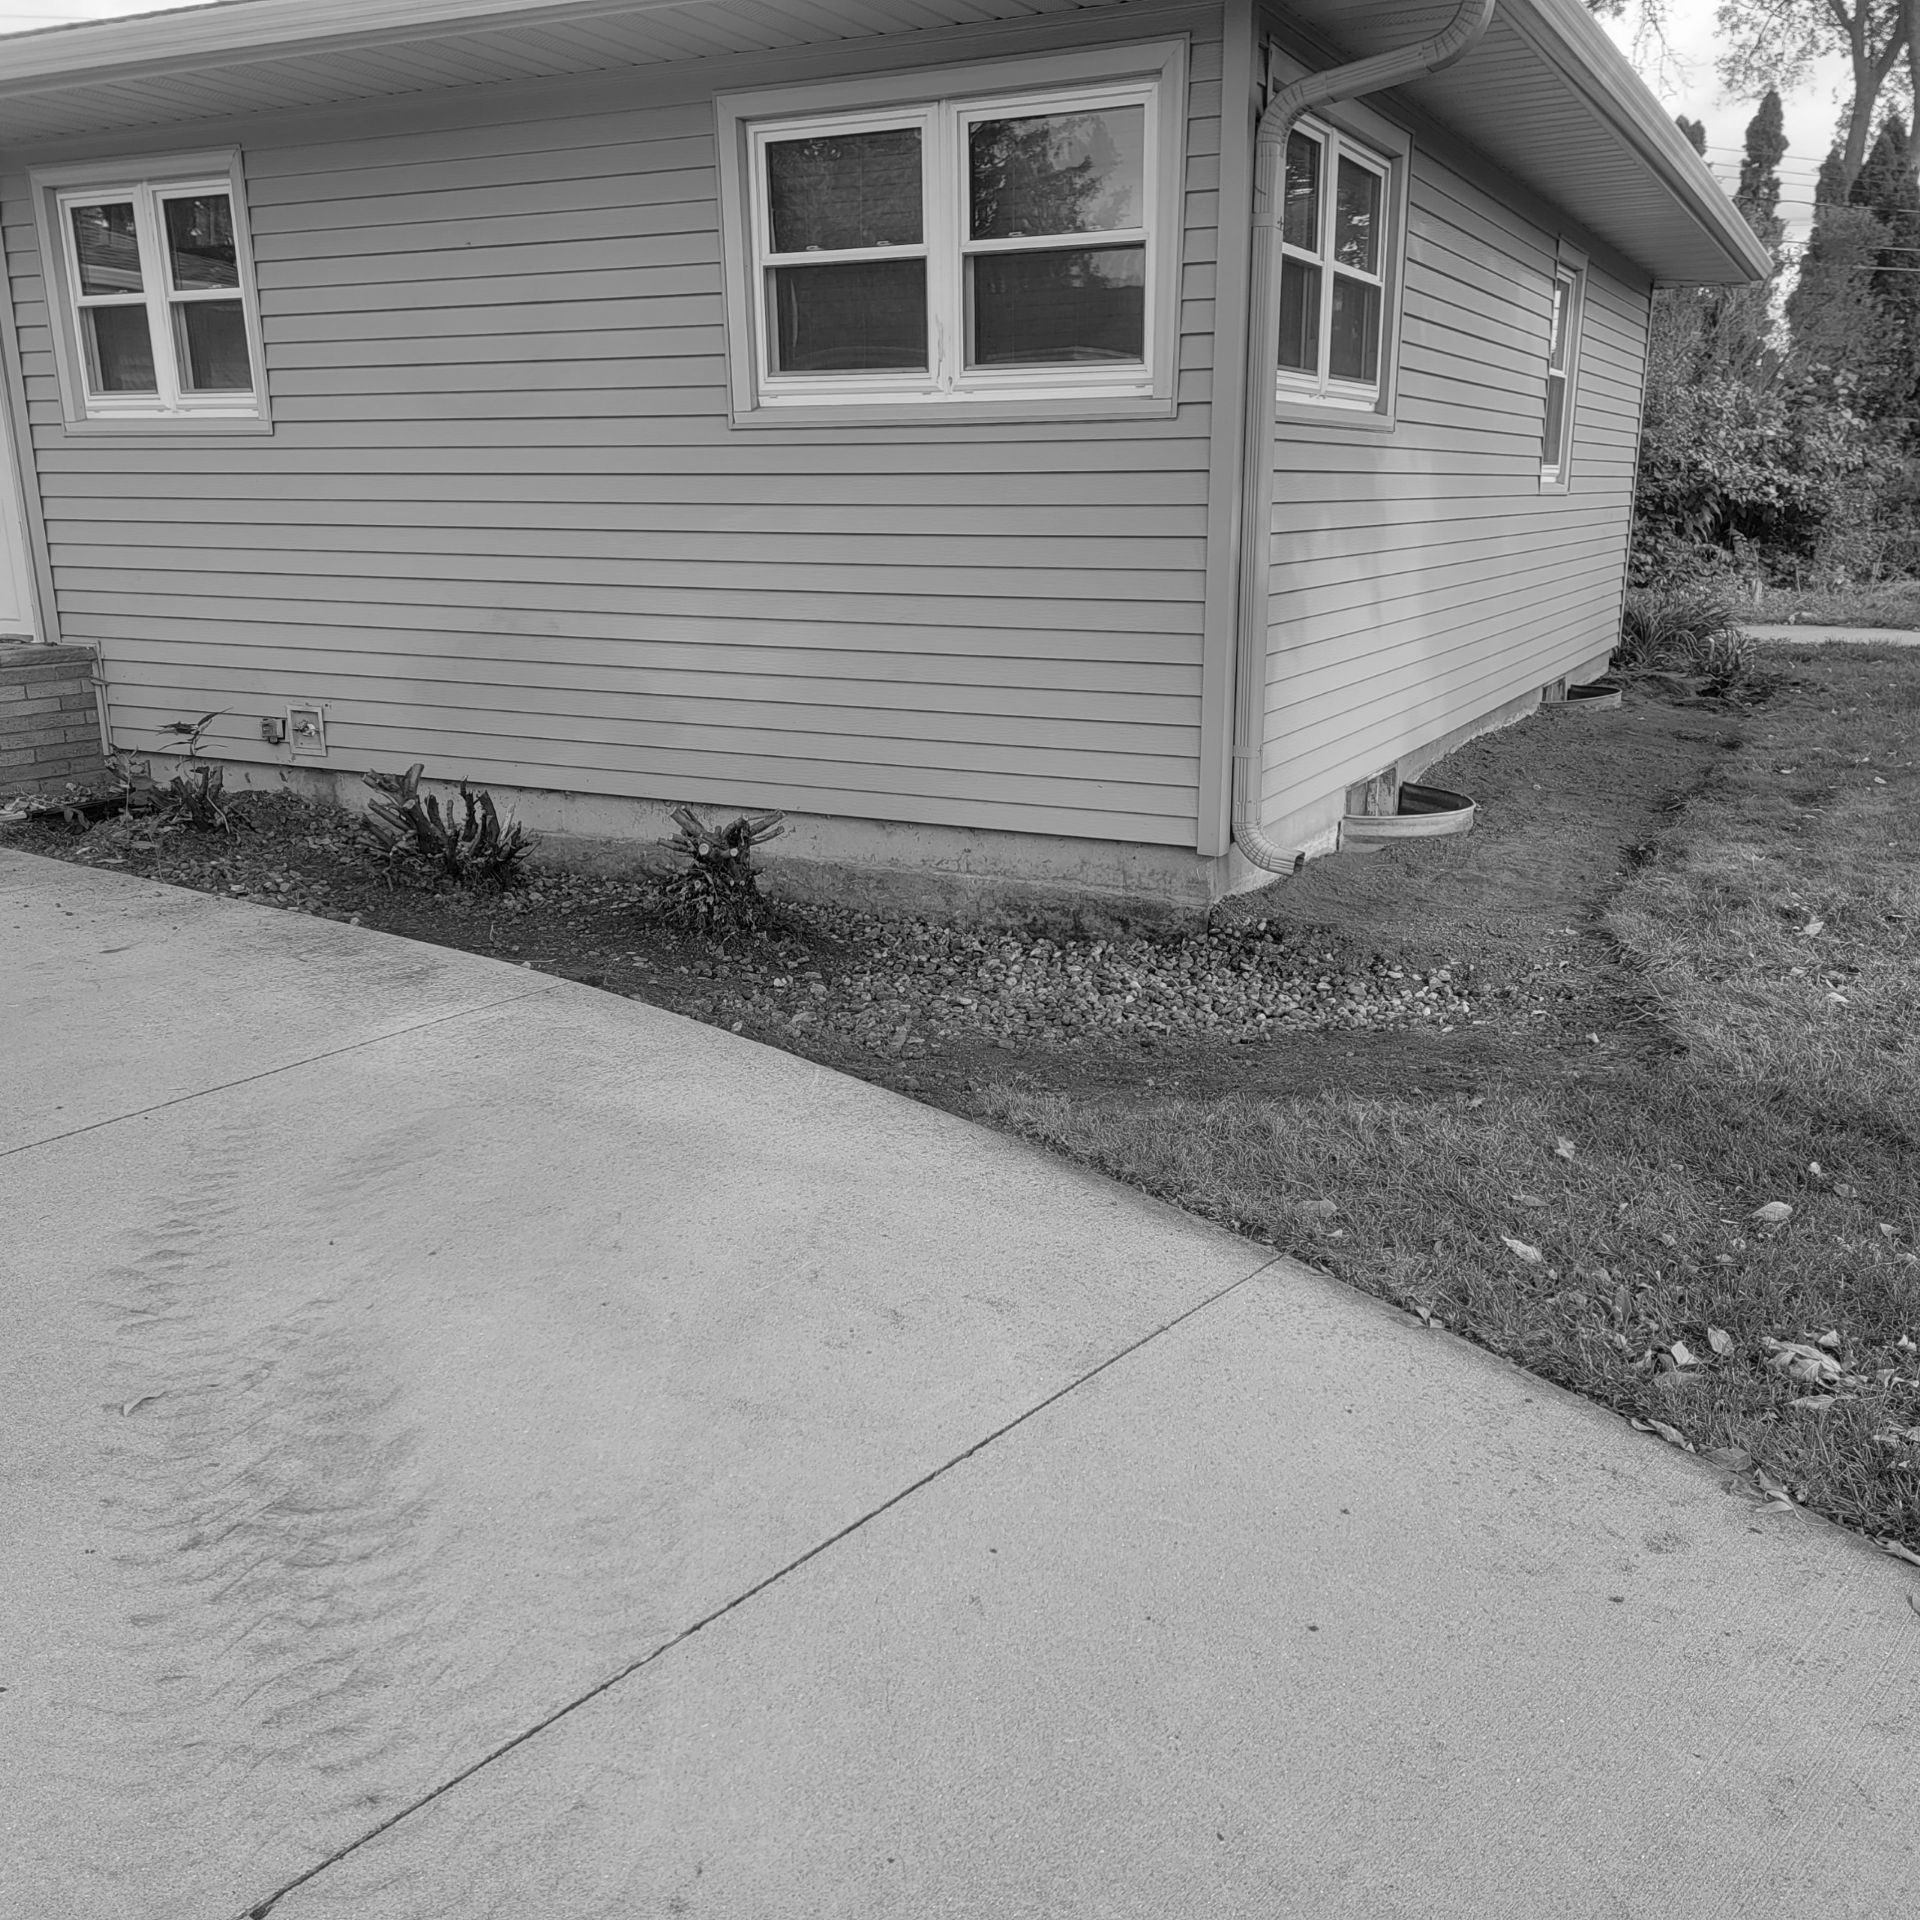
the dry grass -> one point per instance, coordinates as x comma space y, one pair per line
1798, 1082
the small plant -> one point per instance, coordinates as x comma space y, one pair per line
191, 730
717, 885
198, 796
1684, 630
480, 850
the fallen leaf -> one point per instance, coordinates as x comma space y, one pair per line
1813, 1167
1900, 1552
1563, 1148
1671, 1435
1531, 1255
1913, 1600
134, 1406
1815, 1402
1830, 1340
1319, 1209
1814, 926
1528, 1200
1683, 1355
1720, 1340
1772, 1488
1734, 1459
1776, 1213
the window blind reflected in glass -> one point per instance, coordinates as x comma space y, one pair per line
1356, 218
1299, 315
119, 350
1353, 352
836, 191
200, 245
108, 248
1300, 203
212, 340
858, 315
1057, 173
1557, 329
1047, 307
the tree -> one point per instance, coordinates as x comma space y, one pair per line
1696, 132
1758, 194
1774, 43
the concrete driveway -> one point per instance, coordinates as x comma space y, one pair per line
478, 1446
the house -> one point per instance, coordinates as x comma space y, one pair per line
1031, 442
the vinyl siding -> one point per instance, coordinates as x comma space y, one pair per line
1422, 577
504, 526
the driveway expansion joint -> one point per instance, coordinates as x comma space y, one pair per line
286, 1066
262, 1909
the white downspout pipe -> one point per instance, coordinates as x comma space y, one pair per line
1263, 330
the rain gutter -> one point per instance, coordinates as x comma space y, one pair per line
1358, 77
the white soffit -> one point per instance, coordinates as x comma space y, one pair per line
1549, 99
249, 56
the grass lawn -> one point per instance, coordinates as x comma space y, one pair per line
1892, 603
1719, 1237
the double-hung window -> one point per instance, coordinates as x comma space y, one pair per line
1563, 356
997, 245
1333, 268
156, 319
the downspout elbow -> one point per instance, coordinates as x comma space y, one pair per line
1348, 82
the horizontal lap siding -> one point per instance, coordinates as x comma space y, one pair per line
1420, 577
503, 526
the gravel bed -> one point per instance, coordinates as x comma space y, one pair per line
903, 986
884, 987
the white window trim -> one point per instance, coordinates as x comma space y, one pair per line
146, 181
944, 100
1570, 271
1321, 387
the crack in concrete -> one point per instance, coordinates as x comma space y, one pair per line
286, 1066
263, 1908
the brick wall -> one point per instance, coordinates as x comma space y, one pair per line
49, 724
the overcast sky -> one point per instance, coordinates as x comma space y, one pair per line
1685, 83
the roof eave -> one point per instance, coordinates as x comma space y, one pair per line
1564, 33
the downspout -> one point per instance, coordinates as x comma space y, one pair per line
1378, 71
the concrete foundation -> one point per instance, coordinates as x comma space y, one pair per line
963, 875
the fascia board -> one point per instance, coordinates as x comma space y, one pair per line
1563, 33
236, 30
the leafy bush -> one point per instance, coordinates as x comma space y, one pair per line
481, 850
717, 885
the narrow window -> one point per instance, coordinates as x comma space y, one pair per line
1563, 350
162, 321
1333, 219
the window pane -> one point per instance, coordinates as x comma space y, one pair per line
212, 339
108, 248
1354, 352
845, 190
864, 314
1058, 173
1557, 327
1042, 308
1300, 205
1556, 415
1356, 218
119, 349
200, 249
1299, 316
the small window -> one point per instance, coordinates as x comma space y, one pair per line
1563, 356
162, 322
1333, 268
1005, 246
